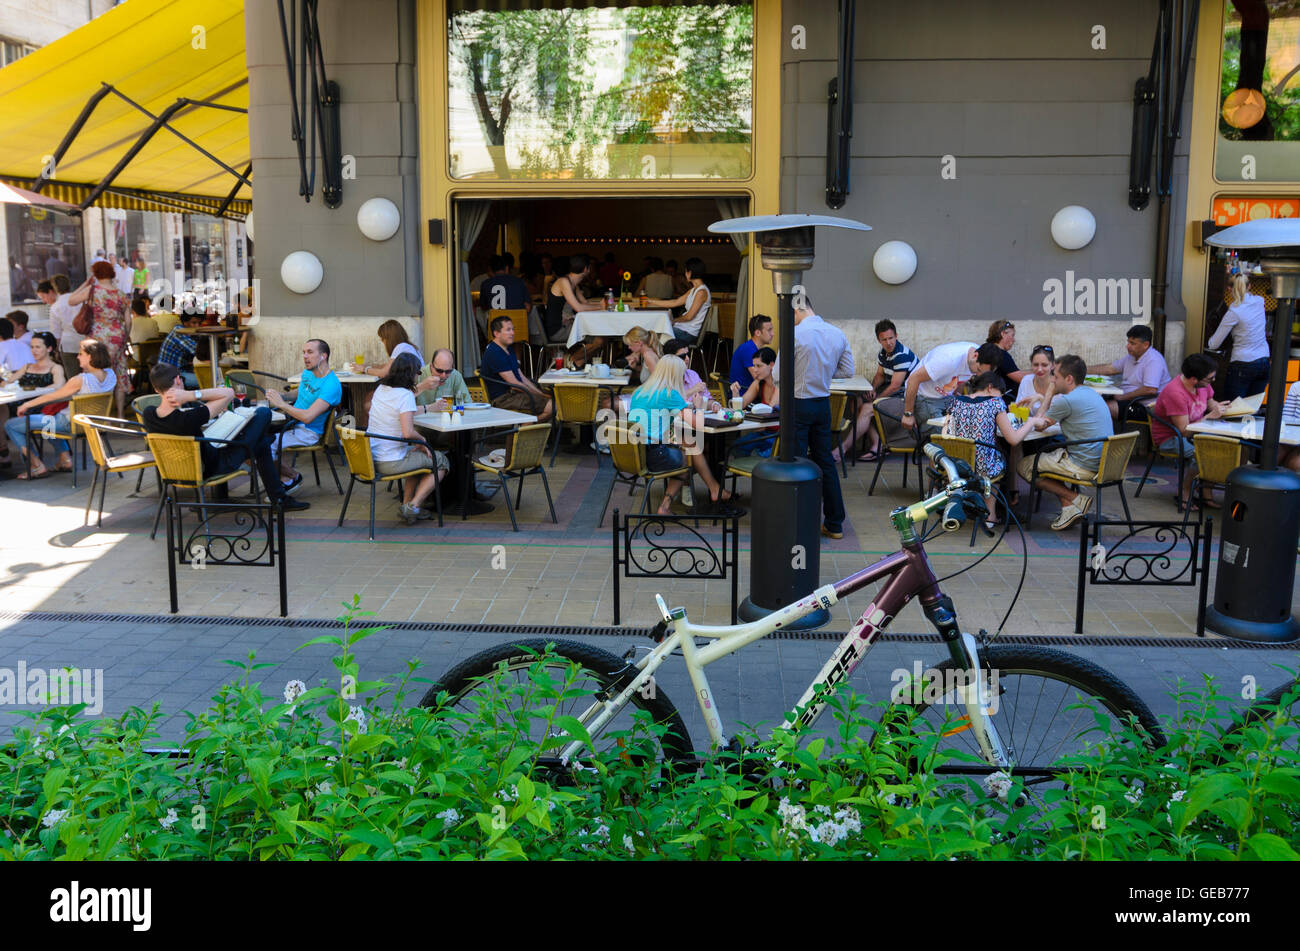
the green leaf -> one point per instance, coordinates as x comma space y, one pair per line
378, 840
574, 729
323, 639
353, 850
1205, 793
1282, 784
1271, 848
364, 742
1235, 812
526, 789
259, 771
52, 783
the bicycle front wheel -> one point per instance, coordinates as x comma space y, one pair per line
513, 686
1045, 704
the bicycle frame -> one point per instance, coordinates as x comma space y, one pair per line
909, 574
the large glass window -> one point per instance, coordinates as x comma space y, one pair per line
1259, 92
42, 243
643, 92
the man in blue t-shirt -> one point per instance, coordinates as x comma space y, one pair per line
319, 391
502, 291
500, 367
760, 335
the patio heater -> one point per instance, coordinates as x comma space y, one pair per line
785, 518
1261, 505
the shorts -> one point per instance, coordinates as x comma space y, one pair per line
1171, 446
298, 435
414, 459
519, 401
1054, 462
661, 457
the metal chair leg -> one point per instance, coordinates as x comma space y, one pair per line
162, 501
352, 480
329, 458
372, 511
505, 491
547, 486
315, 467
103, 487
1123, 501
90, 498
437, 494
608, 495
519, 495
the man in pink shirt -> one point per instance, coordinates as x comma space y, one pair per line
1186, 399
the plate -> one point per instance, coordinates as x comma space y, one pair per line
469, 406
1097, 380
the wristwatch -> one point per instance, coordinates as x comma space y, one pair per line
198, 395
907, 412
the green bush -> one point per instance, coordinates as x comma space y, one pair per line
350, 771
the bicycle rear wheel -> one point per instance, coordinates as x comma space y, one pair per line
1046, 705
1279, 709
508, 686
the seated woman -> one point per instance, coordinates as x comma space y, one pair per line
655, 407
697, 391
643, 353
982, 416
396, 342
96, 376
1186, 399
762, 390
1038, 386
43, 371
392, 413
694, 304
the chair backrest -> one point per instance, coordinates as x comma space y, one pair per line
575, 403
1292, 376
838, 400
141, 403
243, 378
718, 389
95, 426
1115, 454
177, 457
518, 317
477, 390
203, 371
88, 404
626, 447
527, 446
710, 325
1216, 456
356, 450
957, 448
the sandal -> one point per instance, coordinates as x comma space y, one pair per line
724, 496
42, 474
871, 455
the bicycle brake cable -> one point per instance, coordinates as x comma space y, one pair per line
1024, 564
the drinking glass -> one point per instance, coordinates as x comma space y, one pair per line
360, 361
241, 391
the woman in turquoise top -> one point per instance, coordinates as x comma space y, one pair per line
655, 406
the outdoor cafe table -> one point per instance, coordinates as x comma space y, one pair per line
461, 427
617, 379
1251, 428
14, 394
616, 323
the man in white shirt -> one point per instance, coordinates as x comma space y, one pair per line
124, 274
821, 353
941, 372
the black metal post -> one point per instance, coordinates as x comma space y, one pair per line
1283, 318
785, 327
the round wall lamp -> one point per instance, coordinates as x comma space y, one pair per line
378, 219
248, 226
1073, 227
301, 272
894, 262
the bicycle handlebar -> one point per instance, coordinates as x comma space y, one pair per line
962, 497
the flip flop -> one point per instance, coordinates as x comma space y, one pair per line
43, 474
869, 456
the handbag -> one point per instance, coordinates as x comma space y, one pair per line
85, 319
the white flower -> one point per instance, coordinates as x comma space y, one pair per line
822, 810
1134, 795
169, 820
510, 796
54, 817
325, 788
628, 844
997, 784
293, 690
602, 831
1178, 796
401, 763
449, 817
848, 820
357, 716
892, 799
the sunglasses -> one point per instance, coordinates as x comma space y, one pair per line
441, 372
1008, 325
1042, 348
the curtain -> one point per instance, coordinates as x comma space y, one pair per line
470, 218
739, 208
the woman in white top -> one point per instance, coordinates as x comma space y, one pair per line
1248, 370
695, 303
1038, 386
395, 343
392, 413
96, 376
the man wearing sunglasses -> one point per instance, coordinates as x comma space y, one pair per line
442, 381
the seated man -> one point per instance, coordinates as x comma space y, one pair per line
500, 367
179, 348
760, 335
1082, 414
1144, 370
895, 363
442, 381
19, 319
1187, 398
143, 327
184, 412
319, 391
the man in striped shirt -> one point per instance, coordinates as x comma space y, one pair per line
896, 362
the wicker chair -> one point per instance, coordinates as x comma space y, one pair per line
83, 404
477, 389
574, 403
839, 399
525, 448
322, 446
97, 430
1115, 454
361, 466
180, 466
905, 444
523, 343
1216, 456
1175, 454
203, 373
718, 389
627, 451
742, 466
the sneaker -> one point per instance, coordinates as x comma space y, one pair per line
424, 514
293, 484
1073, 512
409, 513
290, 504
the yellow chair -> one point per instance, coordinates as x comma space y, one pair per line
477, 390
523, 342
956, 448
904, 444
323, 445
83, 404
839, 399
180, 466
1116, 451
1216, 456
574, 403
718, 389
525, 448
627, 451
361, 465
203, 372
97, 429
743, 466
141, 403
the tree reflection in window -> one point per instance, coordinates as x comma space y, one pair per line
601, 92
1259, 93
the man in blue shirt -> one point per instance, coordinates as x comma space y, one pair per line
760, 335
500, 367
502, 291
319, 391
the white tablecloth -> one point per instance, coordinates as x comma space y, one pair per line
613, 323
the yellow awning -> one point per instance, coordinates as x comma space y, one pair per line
153, 52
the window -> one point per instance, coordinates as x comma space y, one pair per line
42, 243
13, 50
600, 92
1259, 92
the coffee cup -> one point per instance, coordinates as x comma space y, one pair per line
600, 369
737, 403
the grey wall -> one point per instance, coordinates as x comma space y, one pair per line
370, 52
1036, 119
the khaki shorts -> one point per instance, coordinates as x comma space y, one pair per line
520, 401
414, 459
1053, 462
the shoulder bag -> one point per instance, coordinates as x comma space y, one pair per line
85, 318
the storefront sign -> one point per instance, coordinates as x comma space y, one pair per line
1233, 211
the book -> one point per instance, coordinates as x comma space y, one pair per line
1244, 406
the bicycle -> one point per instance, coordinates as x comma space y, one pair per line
996, 685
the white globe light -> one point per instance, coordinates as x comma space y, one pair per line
1073, 227
378, 219
248, 225
301, 272
894, 262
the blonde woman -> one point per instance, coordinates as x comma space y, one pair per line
656, 405
396, 343
643, 351
1248, 370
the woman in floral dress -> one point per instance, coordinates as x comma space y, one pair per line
982, 416
111, 321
